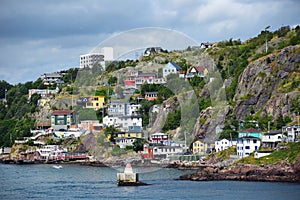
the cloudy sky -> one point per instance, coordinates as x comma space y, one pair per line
39, 36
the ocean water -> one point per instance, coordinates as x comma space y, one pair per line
84, 182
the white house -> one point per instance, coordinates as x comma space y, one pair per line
124, 142
76, 133
49, 152
171, 68
293, 132
42, 92
223, 144
51, 78
259, 154
166, 151
247, 145
122, 122
158, 138
119, 108
272, 138
89, 60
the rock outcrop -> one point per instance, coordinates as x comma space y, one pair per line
260, 85
280, 172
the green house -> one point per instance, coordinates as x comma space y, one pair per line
252, 132
63, 119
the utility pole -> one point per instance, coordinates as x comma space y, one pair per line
266, 38
185, 140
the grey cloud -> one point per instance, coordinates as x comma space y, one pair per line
43, 36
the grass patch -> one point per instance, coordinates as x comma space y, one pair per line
223, 155
289, 153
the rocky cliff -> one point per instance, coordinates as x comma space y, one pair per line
269, 84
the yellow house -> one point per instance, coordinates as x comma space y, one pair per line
199, 147
130, 135
95, 102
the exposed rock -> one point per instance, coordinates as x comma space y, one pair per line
280, 172
259, 84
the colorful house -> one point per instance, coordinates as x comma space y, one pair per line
171, 68
128, 137
91, 125
250, 132
147, 153
158, 138
63, 119
199, 147
95, 102
151, 96
199, 71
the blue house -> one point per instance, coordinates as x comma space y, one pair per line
171, 68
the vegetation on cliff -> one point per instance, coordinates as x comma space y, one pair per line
287, 152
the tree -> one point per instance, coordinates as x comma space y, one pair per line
173, 120
279, 122
110, 132
4, 87
138, 144
112, 80
228, 132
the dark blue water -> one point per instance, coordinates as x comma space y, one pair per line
82, 182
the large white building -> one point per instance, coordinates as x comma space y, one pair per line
246, 145
90, 59
119, 108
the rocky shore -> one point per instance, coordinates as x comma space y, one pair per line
280, 172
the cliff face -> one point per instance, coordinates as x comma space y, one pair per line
269, 84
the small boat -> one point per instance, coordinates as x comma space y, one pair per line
57, 166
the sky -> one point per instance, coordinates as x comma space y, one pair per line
39, 36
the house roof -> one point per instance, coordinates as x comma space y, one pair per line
52, 75
197, 68
141, 74
178, 68
157, 134
62, 112
250, 130
151, 93
207, 43
249, 137
274, 132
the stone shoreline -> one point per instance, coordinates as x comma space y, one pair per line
242, 172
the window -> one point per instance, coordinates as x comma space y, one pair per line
254, 141
248, 141
247, 147
256, 147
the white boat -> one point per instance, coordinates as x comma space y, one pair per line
57, 166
